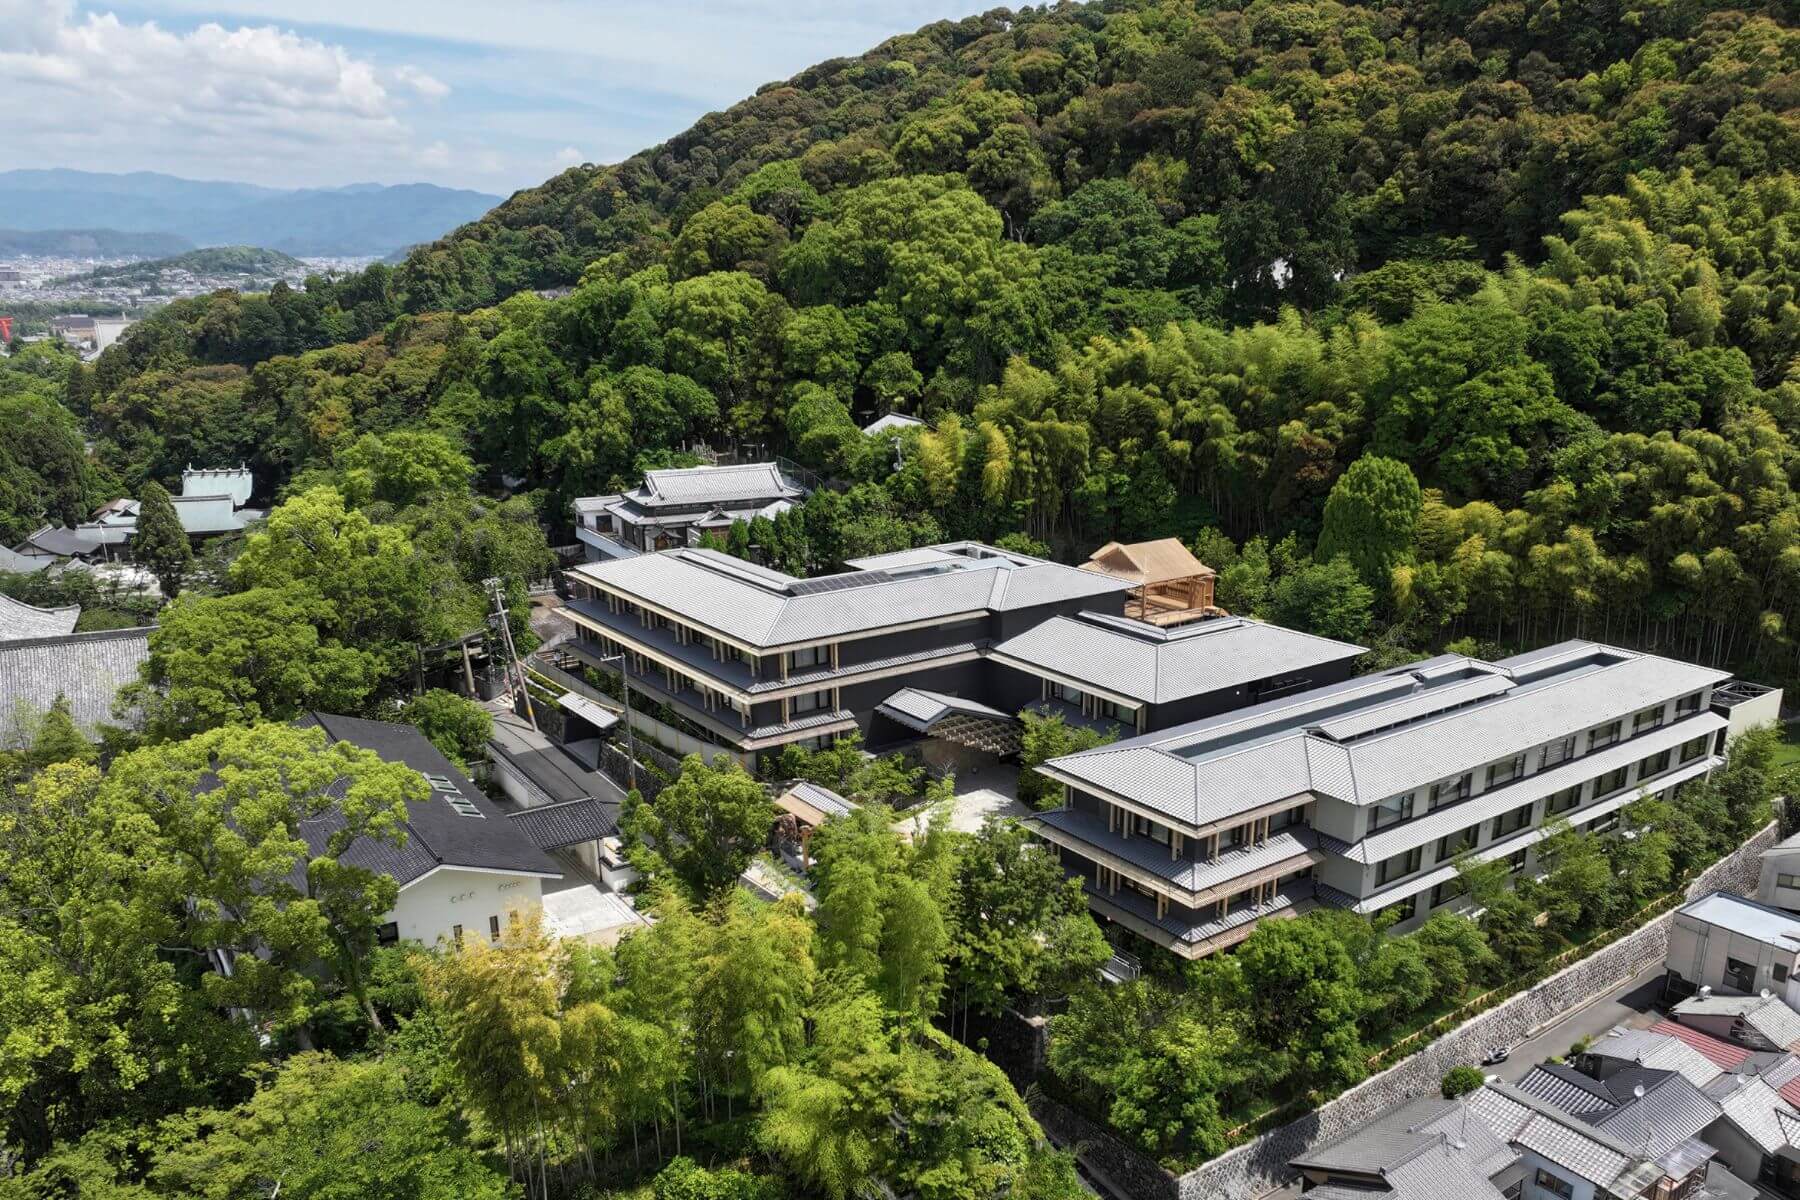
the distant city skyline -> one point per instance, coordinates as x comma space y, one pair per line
495, 97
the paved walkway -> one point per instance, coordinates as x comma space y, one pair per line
982, 792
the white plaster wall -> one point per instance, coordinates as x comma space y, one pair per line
431, 908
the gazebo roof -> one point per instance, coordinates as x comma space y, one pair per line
1162, 561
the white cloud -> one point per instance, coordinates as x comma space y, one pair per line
568, 156
423, 84
241, 100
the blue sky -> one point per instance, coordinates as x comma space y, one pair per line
495, 96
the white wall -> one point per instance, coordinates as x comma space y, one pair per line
431, 908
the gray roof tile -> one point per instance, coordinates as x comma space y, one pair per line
19, 620
1157, 666
87, 668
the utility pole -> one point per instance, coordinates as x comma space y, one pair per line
497, 590
630, 738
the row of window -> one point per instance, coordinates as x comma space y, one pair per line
1507, 823
1396, 809
1553, 753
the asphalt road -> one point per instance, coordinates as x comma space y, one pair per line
1632, 1004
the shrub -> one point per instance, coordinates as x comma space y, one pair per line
1460, 1081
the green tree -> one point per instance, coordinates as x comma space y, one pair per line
456, 725
706, 825
1369, 518
218, 826
160, 543
1304, 1002
1460, 1081
1329, 599
323, 1127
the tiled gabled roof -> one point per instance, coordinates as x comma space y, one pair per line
19, 620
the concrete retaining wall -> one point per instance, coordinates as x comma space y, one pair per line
1260, 1166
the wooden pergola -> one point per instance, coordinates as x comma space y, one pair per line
1172, 586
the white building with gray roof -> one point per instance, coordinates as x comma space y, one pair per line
1368, 793
673, 507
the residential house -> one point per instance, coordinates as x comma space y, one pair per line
1732, 945
465, 869
1427, 1149
1658, 1114
673, 507
1762, 1022
1367, 794
1779, 885
566, 808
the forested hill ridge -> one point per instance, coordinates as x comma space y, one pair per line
1146, 268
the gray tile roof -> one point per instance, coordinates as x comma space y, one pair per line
892, 423
438, 835
764, 608
1426, 1149
20, 620
1141, 662
1658, 1050
87, 668
567, 823
1755, 1108
820, 798
14, 563
1203, 771
546, 765
61, 541
716, 485
1295, 845
919, 709
1769, 1016
1656, 1112
1559, 1137
235, 482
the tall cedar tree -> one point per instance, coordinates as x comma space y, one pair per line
160, 543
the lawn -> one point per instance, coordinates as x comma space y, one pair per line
1787, 750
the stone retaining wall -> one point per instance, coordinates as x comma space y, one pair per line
1261, 1165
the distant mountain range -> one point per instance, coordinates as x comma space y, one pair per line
90, 243
361, 219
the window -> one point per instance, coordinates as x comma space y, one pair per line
1649, 718
1558, 752
1450, 791
1693, 749
1780, 971
1112, 710
1447, 891
1506, 771
459, 803
807, 702
388, 934
494, 929
1404, 863
1687, 704
1556, 1185
1605, 735
1612, 781
1144, 827
1605, 824
1656, 764
1399, 910
1513, 821
1391, 811
1456, 843
808, 656
1740, 976
1067, 694
1563, 801
1515, 862
1237, 835
1787, 881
